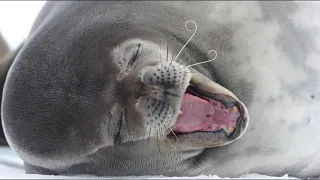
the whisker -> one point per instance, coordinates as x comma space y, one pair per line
148, 124
171, 61
167, 50
158, 140
172, 145
168, 140
174, 134
207, 60
149, 136
198, 63
127, 122
182, 61
195, 30
159, 62
160, 58
168, 57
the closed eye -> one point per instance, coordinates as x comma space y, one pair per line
135, 56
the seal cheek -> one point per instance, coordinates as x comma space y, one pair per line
157, 115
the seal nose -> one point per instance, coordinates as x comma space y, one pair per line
167, 75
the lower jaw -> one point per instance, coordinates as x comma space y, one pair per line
197, 140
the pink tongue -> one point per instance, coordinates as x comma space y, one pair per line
201, 115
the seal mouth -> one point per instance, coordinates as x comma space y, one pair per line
210, 108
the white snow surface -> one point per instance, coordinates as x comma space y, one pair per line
11, 167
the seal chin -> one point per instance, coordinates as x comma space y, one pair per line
210, 115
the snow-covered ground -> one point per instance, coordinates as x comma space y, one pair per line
11, 167
16, 18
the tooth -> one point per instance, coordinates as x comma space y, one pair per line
234, 109
228, 130
180, 112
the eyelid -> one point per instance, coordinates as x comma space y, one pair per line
135, 55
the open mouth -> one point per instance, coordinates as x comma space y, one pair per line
210, 108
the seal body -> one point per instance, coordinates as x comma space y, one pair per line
3, 72
63, 100
6, 59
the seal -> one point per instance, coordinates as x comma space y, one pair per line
6, 58
102, 88
3, 72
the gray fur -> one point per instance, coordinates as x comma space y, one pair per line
62, 107
6, 58
3, 71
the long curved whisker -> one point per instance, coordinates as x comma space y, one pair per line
195, 30
205, 61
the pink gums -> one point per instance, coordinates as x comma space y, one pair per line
204, 115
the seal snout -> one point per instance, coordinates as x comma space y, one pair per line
173, 100
165, 84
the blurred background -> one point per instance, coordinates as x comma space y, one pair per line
16, 18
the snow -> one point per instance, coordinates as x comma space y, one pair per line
11, 167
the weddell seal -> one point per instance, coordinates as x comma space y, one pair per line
6, 58
4, 67
111, 88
